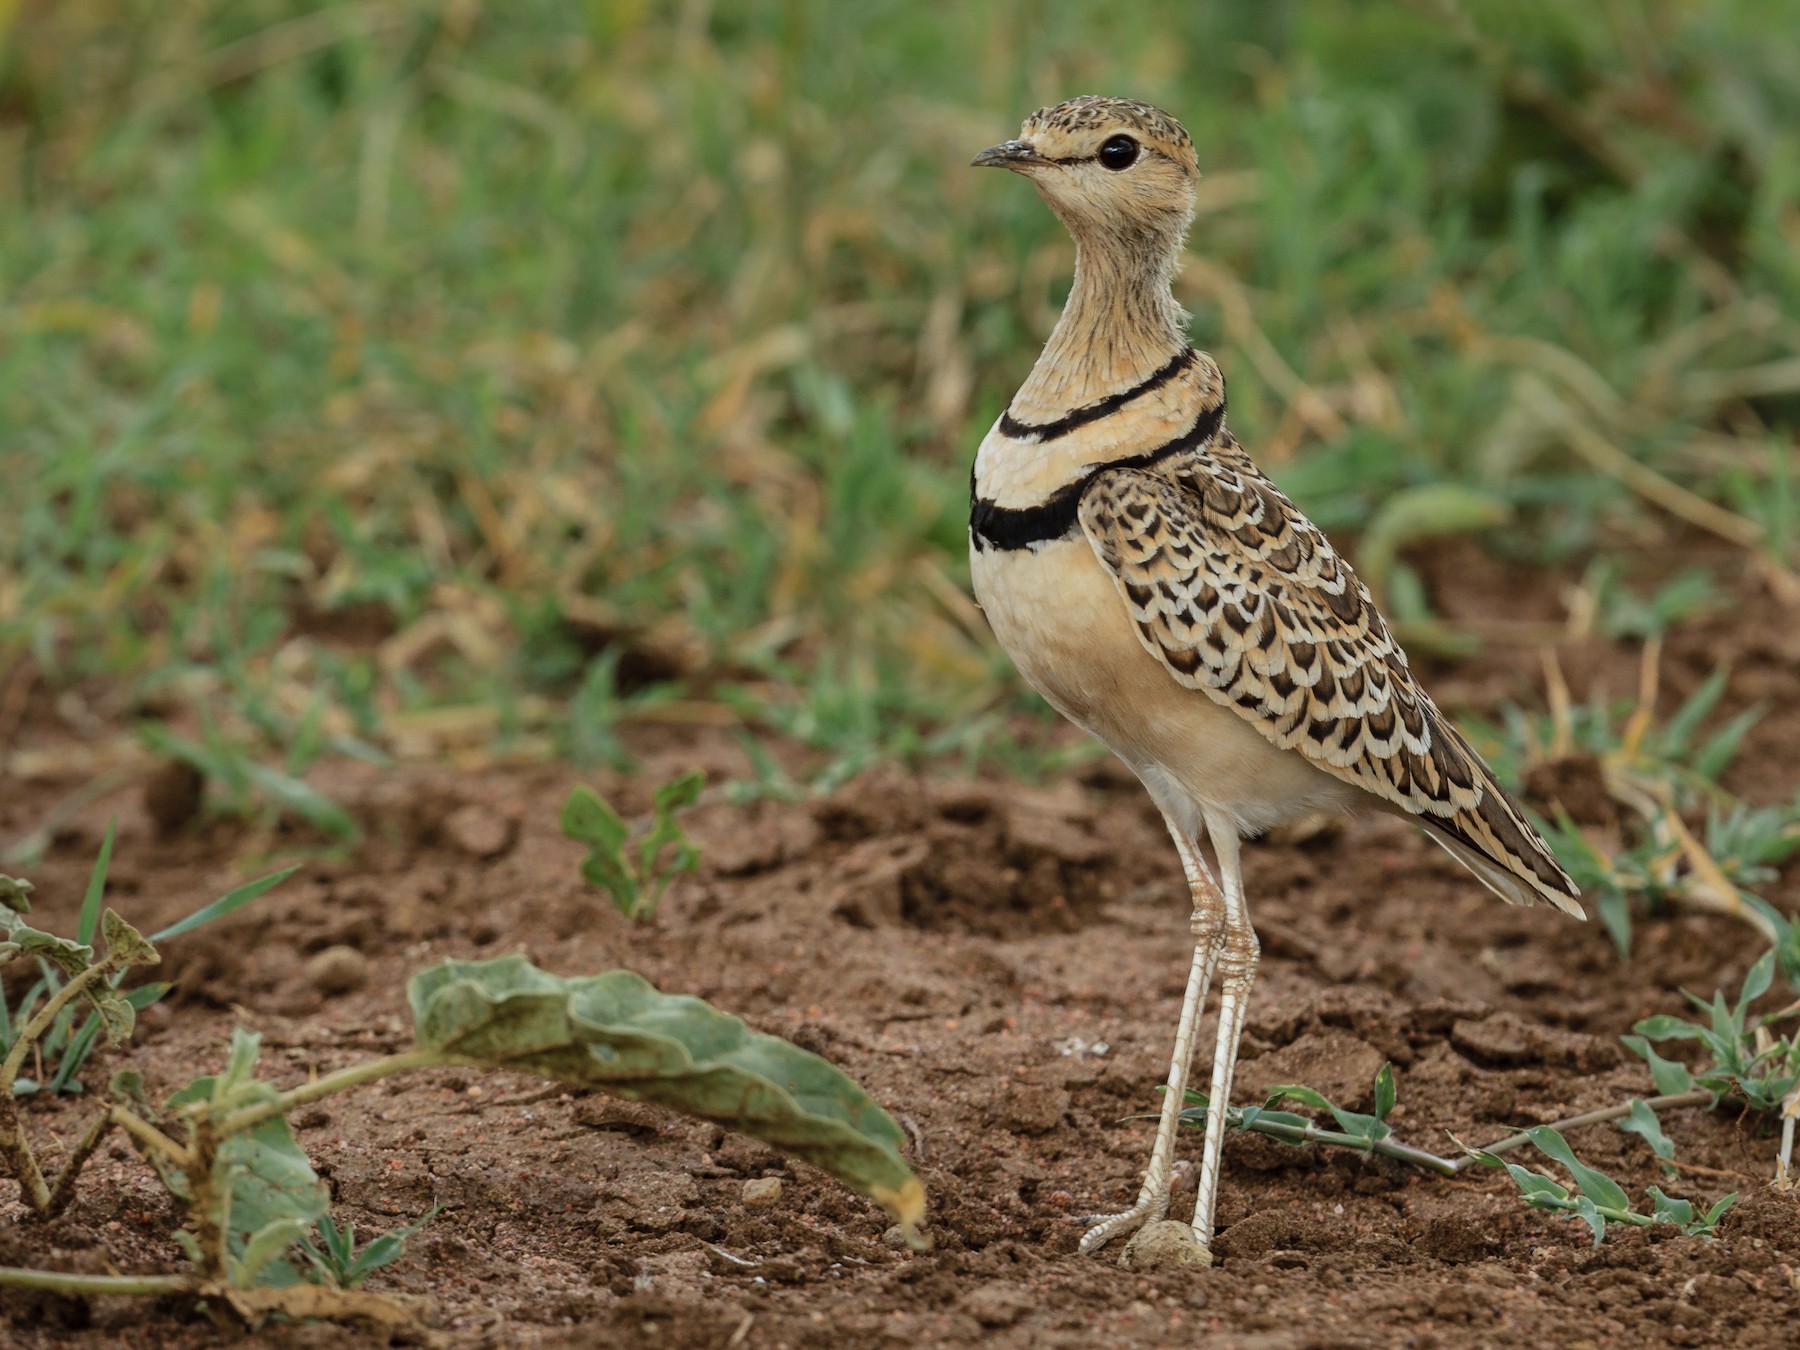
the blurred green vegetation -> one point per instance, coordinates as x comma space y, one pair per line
432, 378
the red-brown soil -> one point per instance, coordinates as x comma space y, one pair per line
1001, 965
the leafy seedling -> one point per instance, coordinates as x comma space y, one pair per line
65, 1045
223, 1148
1660, 775
1364, 1133
1600, 1199
635, 877
1746, 1059
336, 1257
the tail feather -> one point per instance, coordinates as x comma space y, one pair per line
1517, 887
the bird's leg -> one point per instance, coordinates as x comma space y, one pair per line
1237, 972
1208, 927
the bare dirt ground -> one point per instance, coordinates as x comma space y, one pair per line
1001, 966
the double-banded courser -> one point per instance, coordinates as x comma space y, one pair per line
1158, 590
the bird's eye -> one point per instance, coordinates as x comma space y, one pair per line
1120, 152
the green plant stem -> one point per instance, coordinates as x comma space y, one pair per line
64, 1189
21, 1158
38, 1025
1386, 1148
59, 1283
357, 1074
147, 1135
1697, 1097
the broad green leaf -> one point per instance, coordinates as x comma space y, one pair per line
587, 819
1668, 1209
263, 1170
1586, 1210
1756, 983
1670, 1076
1597, 1186
1643, 1122
1350, 1122
617, 1033
262, 1247
225, 904
1385, 1092
1667, 1027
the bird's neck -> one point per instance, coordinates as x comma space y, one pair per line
1120, 324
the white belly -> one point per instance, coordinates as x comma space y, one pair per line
1059, 616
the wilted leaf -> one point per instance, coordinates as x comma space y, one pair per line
617, 1033
15, 894
125, 946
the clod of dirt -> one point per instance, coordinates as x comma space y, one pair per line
1507, 1039
1334, 1062
480, 831
1167, 1244
616, 1113
997, 1305
172, 795
338, 970
762, 1192
1031, 1108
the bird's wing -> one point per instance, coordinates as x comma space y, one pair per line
1242, 599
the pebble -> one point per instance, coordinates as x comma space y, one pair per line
761, 1192
338, 970
481, 831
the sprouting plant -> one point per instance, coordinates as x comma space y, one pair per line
1746, 1059
635, 877
1601, 1199
337, 1258
222, 1146
1660, 776
63, 1047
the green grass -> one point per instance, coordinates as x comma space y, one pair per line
395, 377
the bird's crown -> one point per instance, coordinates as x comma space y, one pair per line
1078, 127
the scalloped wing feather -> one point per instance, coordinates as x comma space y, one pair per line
1240, 597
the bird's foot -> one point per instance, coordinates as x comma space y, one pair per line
1103, 1228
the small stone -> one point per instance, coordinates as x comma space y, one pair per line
761, 1192
338, 970
1167, 1244
481, 831
172, 795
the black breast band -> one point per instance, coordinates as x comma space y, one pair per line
1015, 527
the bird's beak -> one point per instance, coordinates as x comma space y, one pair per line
1006, 155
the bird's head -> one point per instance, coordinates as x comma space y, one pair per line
1109, 168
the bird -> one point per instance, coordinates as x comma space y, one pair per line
1160, 592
